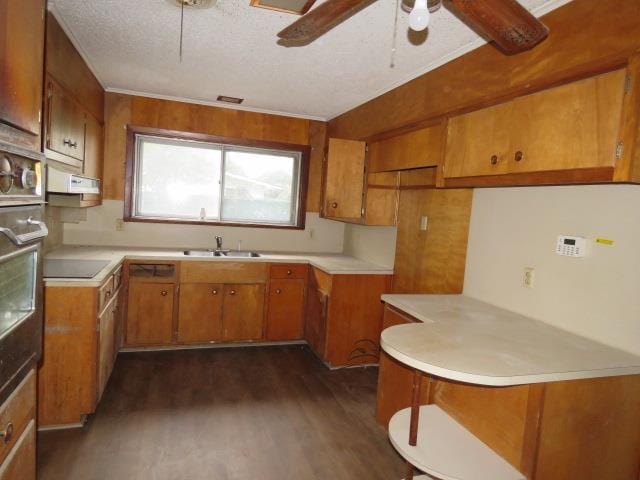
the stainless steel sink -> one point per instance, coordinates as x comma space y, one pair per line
241, 254
203, 253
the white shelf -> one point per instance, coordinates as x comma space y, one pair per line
447, 450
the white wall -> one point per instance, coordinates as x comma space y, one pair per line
597, 296
372, 244
99, 228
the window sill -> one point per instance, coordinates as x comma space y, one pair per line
177, 221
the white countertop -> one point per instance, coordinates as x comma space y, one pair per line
467, 340
333, 264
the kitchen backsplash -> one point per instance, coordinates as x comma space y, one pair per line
98, 227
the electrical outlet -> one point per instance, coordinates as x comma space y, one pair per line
529, 277
424, 222
119, 225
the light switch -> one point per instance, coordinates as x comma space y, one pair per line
424, 220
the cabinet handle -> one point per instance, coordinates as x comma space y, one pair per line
74, 145
278, 291
67, 142
214, 292
163, 293
7, 433
494, 159
108, 294
232, 292
518, 156
334, 205
289, 272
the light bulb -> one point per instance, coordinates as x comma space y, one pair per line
419, 16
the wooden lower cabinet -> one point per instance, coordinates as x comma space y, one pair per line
243, 317
586, 429
82, 326
21, 462
18, 445
285, 310
344, 317
200, 312
150, 313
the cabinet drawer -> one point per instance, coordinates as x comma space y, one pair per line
16, 413
21, 463
297, 271
105, 292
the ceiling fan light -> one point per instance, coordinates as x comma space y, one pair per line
419, 16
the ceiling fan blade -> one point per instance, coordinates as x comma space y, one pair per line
507, 23
322, 19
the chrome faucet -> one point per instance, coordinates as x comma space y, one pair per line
218, 242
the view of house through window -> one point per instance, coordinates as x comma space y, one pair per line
179, 179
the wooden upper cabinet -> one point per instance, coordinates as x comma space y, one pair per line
416, 149
381, 199
150, 314
566, 128
479, 142
65, 127
569, 127
200, 313
93, 156
344, 179
21, 64
243, 312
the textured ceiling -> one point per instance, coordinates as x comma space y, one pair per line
231, 49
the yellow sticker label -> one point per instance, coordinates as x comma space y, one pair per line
604, 241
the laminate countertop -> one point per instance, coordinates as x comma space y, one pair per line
470, 341
333, 264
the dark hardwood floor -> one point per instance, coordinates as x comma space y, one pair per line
267, 413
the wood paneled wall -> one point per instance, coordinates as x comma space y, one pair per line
121, 110
64, 63
584, 34
431, 261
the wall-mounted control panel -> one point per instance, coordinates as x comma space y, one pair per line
569, 246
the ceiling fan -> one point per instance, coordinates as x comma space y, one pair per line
505, 22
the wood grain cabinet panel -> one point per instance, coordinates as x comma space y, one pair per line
416, 149
566, 128
65, 126
344, 179
243, 312
479, 143
21, 64
200, 313
381, 199
106, 344
21, 463
18, 410
93, 157
285, 310
150, 314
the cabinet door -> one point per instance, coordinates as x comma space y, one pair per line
478, 143
21, 462
150, 314
93, 157
65, 126
344, 180
417, 149
286, 304
200, 312
315, 326
22, 64
106, 345
568, 127
243, 312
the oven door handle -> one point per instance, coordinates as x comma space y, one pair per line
26, 238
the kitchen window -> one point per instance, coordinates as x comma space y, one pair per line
191, 178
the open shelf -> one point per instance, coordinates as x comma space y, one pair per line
447, 450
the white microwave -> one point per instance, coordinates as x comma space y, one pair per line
59, 181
